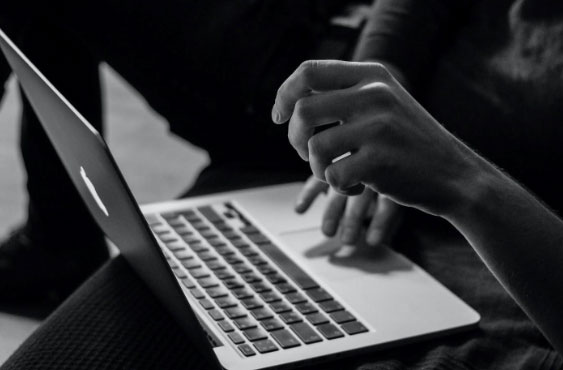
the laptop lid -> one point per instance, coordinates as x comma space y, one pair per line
102, 187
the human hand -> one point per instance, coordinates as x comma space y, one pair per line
394, 145
347, 214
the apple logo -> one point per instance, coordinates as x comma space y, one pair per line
93, 191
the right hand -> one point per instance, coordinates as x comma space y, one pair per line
347, 215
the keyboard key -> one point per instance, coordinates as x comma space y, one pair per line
330, 306
306, 308
198, 294
231, 235
296, 273
188, 283
236, 338
191, 240
245, 323
242, 269
209, 282
290, 317
242, 293
271, 324
226, 302
207, 256
295, 298
233, 284
317, 318
224, 250
180, 274
258, 238
223, 226
199, 273
208, 234
215, 265
246, 350
167, 237
248, 252
255, 334
191, 264
217, 292
266, 269
198, 247
251, 277
276, 278
342, 316
239, 243
285, 288
354, 327
233, 260
216, 314
251, 303
209, 213
285, 339
329, 331
319, 295
176, 246
262, 313
257, 260
235, 312
183, 254
265, 346
226, 326
183, 231
224, 274
305, 333
215, 243
280, 307
270, 297
249, 229
152, 219
206, 303
260, 287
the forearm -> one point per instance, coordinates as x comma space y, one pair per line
520, 241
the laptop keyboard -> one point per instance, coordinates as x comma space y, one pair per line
258, 296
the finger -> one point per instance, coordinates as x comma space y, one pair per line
384, 223
320, 75
346, 175
333, 212
313, 112
309, 193
354, 216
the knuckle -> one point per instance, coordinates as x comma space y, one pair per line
380, 70
308, 68
315, 145
303, 109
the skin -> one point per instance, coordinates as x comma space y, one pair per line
400, 151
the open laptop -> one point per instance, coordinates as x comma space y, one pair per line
253, 284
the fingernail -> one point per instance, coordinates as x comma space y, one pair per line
373, 237
276, 117
299, 206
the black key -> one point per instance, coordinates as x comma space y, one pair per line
257, 260
207, 256
280, 307
305, 333
226, 326
258, 238
235, 312
251, 277
296, 273
176, 246
167, 237
276, 278
236, 338
198, 294
175, 222
330, 306
215, 265
249, 229
152, 219
317, 318
233, 260
242, 293
210, 214
180, 274
191, 240
248, 252
246, 350
223, 226
260, 287
265, 346
255, 334
285, 288
206, 303
223, 250
188, 213
290, 317
319, 295
215, 243
266, 269
342, 316
209, 282
201, 226
217, 292
224, 275
199, 273
306, 308
183, 254
330, 331
198, 247
354, 327
231, 235
270, 297
245, 323
242, 269
285, 339
209, 234
271, 324
295, 298
188, 283
239, 243
191, 264
262, 313
233, 284
183, 231
226, 302
251, 303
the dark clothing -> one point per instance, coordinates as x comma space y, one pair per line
489, 71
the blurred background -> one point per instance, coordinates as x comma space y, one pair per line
156, 165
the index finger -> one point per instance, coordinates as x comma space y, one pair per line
318, 76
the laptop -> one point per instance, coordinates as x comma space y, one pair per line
253, 284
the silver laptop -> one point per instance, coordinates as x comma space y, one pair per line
253, 284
